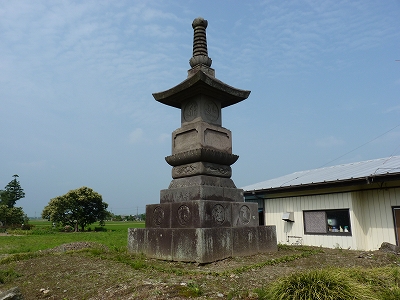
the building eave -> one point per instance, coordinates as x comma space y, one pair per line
352, 182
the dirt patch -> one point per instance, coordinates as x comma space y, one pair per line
75, 246
61, 274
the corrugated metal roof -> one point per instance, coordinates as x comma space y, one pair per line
350, 171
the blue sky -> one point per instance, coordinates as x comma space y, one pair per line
77, 77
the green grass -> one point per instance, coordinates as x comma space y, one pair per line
332, 283
42, 237
7, 275
190, 290
336, 284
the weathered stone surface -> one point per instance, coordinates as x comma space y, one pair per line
159, 243
158, 215
196, 193
201, 154
201, 83
203, 68
192, 214
245, 241
201, 109
244, 214
202, 180
200, 53
199, 135
201, 168
387, 247
202, 245
202, 216
12, 294
137, 240
234, 194
267, 241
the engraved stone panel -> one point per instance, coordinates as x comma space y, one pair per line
211, 111
184, 215
186, 170
201, 168
217, 139
244, 214
200, 214
190, 111
158, 216
217, 170
218, 214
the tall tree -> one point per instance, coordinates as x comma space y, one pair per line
79, 207
11, 193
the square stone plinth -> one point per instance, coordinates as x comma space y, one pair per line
202, 245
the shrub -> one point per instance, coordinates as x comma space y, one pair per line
68, 228
27, 226
43, 230
318, 284
99, 229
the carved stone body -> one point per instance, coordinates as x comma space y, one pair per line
202, 216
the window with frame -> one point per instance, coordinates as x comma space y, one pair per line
328, 222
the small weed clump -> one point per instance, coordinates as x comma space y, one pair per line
191, 289
8, 275
318, 284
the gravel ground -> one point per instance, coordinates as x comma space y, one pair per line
59, 273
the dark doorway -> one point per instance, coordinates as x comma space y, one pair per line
261, 220
396, 217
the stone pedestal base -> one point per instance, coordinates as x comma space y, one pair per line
202, 245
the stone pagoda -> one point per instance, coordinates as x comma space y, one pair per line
202, 216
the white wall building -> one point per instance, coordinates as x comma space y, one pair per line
354, 206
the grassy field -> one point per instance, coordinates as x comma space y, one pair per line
43, 236
103, 269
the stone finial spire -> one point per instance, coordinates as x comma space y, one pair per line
200, 54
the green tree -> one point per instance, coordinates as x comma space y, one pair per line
80, 207
11, 193
11, 215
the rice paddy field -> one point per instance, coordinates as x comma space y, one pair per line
44, 236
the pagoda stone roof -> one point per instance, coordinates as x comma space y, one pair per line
201, 84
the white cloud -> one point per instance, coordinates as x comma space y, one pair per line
329, 141
393, 109
135, 136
